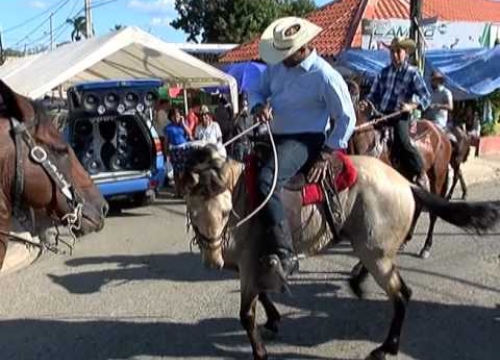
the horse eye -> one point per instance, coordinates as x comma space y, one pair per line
60, 151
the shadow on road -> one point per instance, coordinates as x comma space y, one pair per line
432, 331
183, 267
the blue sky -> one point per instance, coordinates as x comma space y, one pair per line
19, 28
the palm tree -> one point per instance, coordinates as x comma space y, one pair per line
79, 28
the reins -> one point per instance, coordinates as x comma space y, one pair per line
377, 121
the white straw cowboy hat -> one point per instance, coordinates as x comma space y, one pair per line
402, 43
277, 42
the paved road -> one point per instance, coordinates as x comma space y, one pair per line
134, 291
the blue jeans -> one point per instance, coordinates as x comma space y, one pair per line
294, 152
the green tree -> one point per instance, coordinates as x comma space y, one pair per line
233, 21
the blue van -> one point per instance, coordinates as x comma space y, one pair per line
110, 127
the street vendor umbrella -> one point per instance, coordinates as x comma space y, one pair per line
247, 75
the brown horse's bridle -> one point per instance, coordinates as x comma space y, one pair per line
41, 157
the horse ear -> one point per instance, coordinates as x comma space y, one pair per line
188, 182
16, 105
228, 176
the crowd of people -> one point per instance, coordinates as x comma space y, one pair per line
200, 126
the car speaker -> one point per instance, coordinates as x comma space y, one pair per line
83, 129
111, 101
131, 100
90, 102
150, 98
107, 130
108, 150
118, 162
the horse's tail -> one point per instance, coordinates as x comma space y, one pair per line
479, 216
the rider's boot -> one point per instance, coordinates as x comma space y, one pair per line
282, 258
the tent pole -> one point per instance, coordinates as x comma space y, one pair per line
186, 105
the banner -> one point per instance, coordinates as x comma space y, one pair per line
437, 35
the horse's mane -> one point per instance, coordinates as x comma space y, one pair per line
24, 109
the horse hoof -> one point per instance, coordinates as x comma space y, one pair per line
424, 254
260, 355
356, 269
356, 289
376, 354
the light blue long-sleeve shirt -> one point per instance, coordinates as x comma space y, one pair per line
305, 98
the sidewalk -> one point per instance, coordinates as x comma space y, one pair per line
481, 169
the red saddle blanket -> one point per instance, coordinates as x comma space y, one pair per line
311, 193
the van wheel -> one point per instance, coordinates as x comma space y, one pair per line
143, 199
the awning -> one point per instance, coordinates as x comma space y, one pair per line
469, 73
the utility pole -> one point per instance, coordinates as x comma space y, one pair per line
416, 30
2, 54
51, 33
88, 19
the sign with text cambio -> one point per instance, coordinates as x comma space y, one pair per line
438, 34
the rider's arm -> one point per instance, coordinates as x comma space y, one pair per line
258, 97
341, 110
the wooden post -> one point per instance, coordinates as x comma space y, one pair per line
415, 34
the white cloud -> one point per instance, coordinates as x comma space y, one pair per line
38, 4
153, 6
159, 21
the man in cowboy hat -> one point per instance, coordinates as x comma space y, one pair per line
313, 117
400, 87
441, 101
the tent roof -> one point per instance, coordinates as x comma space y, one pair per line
130, 53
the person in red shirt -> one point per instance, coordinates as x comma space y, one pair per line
192, 119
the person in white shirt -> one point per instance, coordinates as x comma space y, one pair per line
441, 102
209, 130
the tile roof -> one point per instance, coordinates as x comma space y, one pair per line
338, 18
335, 18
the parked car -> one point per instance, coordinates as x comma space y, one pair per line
110, 127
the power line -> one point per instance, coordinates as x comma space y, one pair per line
59, 30
43, 23
27, 21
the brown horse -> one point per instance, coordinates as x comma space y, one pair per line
40, 171
432, 143
459, 155
378, 211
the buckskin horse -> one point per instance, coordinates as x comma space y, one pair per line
378, 211
40, 171
434, 147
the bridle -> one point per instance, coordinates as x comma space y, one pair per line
222, 242
72, 220
205, 243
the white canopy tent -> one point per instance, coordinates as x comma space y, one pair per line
130, 53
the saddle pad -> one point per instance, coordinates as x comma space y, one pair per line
311, 193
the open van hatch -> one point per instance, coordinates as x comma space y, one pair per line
115, 147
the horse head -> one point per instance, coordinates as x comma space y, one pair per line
208, 183
52, 178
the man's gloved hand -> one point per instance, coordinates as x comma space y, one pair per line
328, 161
